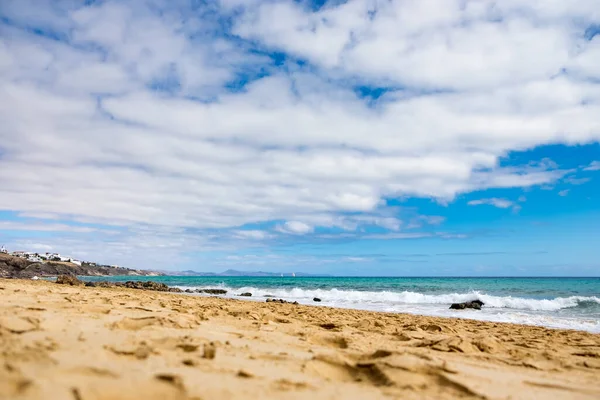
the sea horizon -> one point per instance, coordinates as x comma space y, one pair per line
218, 274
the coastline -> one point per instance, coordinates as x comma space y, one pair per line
549, 302
102, 343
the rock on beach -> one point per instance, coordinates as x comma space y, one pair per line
475, 305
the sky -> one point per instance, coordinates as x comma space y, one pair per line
360, 137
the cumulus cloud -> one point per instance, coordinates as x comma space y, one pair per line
234, 113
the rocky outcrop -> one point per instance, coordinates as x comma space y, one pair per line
68, 280
317, 299
246, 294
475, 305
140, 285
146, 285
281, 301
16, 267
211, 291
103, 284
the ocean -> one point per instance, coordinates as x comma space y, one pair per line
570, 303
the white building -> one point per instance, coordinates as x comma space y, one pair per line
50, 256
3, 250
35, 257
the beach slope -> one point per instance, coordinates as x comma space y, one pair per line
79, 343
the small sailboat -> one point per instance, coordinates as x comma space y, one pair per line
282, 275
294, 274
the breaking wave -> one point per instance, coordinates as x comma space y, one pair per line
353, 297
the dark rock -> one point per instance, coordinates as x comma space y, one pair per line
328, 326
246, 294
90, 284
481, 303
147, 285
68, 280
475, 305
213, 291
268, 295
105, 284
140, 285
189, 291
282, 301
317, 299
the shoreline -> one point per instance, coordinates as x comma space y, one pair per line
532, 317
470, 315
103, 343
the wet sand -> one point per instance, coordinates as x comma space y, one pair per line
79, 343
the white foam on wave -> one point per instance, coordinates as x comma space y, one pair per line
497, 308
387, 297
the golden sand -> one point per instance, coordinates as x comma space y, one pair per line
79, 343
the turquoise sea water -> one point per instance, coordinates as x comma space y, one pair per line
554, 302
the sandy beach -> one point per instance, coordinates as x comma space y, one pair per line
79, 343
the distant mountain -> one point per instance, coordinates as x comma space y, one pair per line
233, 272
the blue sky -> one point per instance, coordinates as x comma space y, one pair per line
363, 137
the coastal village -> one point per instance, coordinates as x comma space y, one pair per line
27, 264
41, 258
35, 257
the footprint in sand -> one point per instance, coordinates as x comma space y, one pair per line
19, 325
336, 341
172, 321
141, 350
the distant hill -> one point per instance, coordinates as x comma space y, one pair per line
17, 267
233, 272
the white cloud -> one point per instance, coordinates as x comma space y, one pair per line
572, 180
564, 193
252, 234
295, 227
438, 44
134, 115
594, 166
496, 202
41, 227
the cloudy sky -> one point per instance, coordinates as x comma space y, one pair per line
360, 137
